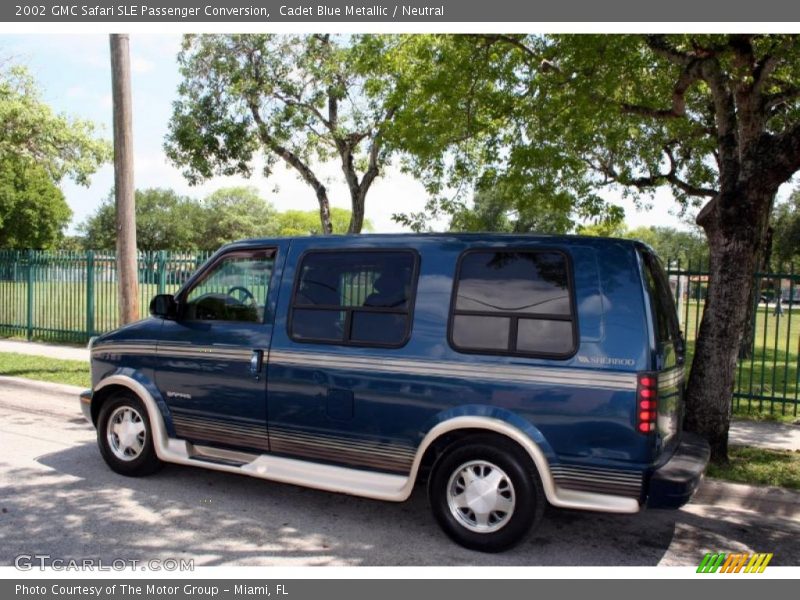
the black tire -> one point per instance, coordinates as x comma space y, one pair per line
477, 455
140, 458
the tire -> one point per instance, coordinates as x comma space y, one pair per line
125, 436
470, 485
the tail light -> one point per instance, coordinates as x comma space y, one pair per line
646, 402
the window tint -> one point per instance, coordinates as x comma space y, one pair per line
513, 303
234, 289
361, 298
664, 313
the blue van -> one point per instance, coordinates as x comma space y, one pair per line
506, 371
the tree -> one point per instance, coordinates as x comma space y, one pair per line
602, 229
234, 213
292, 98
673, 244
30, 130
33, 211
164, 221
715, 118
38, 149
306, 222
495, 207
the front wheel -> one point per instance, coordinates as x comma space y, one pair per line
486, 494
125, 436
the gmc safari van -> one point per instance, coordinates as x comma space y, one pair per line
506, 371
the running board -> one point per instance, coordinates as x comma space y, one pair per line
330, 478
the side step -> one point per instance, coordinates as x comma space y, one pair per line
220, 456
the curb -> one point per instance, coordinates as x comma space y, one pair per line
41, 386
767, 500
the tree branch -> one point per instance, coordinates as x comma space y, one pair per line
787, 154
513, 41
690, 74
655, 180
660, 45
725, 120
785, 96
287, 155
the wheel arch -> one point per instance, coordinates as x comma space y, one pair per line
117, 382
456, 430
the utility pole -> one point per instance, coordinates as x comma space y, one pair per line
127, 268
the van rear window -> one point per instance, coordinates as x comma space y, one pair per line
665, 318
513, 302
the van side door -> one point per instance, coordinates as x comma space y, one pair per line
336, 391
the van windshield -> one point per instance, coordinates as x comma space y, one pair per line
665, 315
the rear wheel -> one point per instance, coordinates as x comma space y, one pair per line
125, 436
486, 494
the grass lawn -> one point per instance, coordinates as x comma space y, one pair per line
758, 466
72, 372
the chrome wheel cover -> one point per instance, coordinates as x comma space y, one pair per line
481, 496
126, 433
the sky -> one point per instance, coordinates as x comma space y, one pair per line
74, 74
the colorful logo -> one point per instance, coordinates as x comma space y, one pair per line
734, 563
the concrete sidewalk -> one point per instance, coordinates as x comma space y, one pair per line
765, 434
48, 350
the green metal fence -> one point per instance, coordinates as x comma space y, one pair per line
71, 296
768, 379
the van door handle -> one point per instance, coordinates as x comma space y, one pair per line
256, 362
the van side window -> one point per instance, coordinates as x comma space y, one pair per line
513, 302
354, 298
233, 289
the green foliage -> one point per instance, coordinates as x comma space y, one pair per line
30, 131
167, 221
37, 149
566, 116
494, 209
306, 222
33, 212
673, 244
602, 229
295, 98
786, 233
232, 214
164, 221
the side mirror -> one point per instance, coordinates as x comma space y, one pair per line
164, 306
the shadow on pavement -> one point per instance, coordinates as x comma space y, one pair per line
82, 509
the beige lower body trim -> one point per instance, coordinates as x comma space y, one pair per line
357, 482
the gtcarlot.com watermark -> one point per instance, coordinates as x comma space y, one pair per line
29, 562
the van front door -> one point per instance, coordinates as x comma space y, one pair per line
211, 358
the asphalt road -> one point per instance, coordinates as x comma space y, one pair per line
57, 497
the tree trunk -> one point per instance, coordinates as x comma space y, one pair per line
735, 227
762, 264
127, 268
324, 211
357, 200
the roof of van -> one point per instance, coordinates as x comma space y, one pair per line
488, 237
